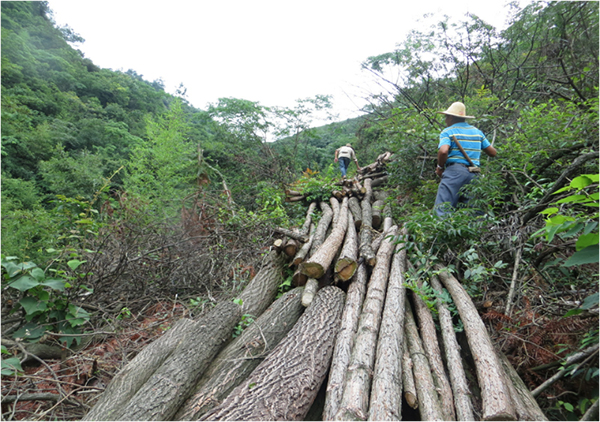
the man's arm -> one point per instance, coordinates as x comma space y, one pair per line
336, 154
491, 151
441, 159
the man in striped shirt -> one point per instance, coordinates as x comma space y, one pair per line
452, 165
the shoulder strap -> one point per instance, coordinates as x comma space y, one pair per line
462, 150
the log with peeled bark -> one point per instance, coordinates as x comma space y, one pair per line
377, 209
322, 258
235, 363
386, 390
346, 265
354, 206
262, 289
335, 207
305, 248
495, 395
434, 356
430, 407
132, 377
310, 290
305, 230
285, 384
458, 379
355, 398
343, 344
322, 226
365, 249
170, 385
408, 379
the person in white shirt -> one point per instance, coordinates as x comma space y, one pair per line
343, 155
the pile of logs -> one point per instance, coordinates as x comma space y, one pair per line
350, 342
353, 187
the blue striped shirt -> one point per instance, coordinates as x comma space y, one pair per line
472, 140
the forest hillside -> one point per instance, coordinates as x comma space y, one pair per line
127, 212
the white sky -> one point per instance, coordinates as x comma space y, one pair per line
270, 51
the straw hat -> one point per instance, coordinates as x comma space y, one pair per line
457, 109
349, 145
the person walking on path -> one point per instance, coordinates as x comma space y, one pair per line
458, 163
343, 155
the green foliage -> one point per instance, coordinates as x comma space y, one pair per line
10, 366
45, 300
244, 323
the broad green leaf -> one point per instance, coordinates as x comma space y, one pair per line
4, 350
75, 263
33, 305
55, 283
587, 255
586, 240
590, 226
38, 274
11, 268
30, 331
590, 301
10, 366
581, 182
549, 211
24, 283
573, 199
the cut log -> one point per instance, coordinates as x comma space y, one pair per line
319, 261
305, 230
335, 207
235, 363
525, 404
322, 226
166, 390
355, 398
429, 403
380, 195
344, 342
338, 194
290, 233
310, 290
354, 206
386, 391
408, 379
262, 289
346, 265
278, 244
494, 392
291, 247
458, 379
379, 181
377, 209
299, 279
132, 377
305, 248
285, 384
365, 250
294, 198
387, 217
434, 355
290, 192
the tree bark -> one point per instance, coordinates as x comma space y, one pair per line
165, 391
344, 342
429, 404
460, 386
308, 220
387, 217
235, 363
377, 217
132, 377
408, 379
355, 398
366, 252
354, 206
286, 383
494, 393
322, 226
318, 263
379, 181
290, 233
386, 391
434, 355
303, 252
346, 265
262, 289
335, 207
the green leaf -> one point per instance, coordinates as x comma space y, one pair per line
590, 301
55, 283
549, 211
11, 268
75, 263
587, 255
38, 274
573, 199
11, 366
33, 305
581, 182
29, 331
24, 283
586, 240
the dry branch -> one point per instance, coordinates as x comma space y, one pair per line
284, 386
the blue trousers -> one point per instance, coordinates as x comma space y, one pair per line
344, 162
448, 196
